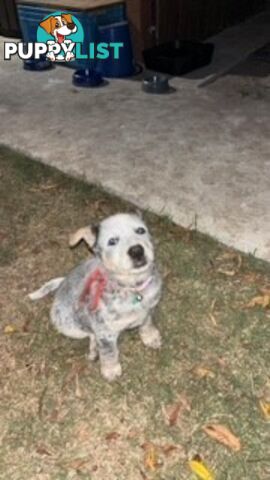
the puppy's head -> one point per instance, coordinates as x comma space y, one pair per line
123, 243
59, 26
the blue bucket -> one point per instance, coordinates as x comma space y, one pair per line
124, 66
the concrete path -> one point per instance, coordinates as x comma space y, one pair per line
201, 154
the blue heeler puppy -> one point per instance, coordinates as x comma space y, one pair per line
116, 290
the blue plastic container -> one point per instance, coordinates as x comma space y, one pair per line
124, 66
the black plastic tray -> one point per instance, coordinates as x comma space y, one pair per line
178, 57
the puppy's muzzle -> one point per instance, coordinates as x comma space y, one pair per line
71, 26
137, 254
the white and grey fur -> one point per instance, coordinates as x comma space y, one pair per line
124, 253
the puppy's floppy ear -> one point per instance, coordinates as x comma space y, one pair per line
48, 24
88, 234
139, 213
67, 17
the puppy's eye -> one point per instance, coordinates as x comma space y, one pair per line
113, 241
57, 25
140, 231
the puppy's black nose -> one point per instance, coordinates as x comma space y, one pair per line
136, 252
71, 25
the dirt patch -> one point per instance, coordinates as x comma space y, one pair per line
58, 418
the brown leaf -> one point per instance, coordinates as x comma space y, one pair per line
223, 435
78, 464
42, 450
146, 446
259, 301
112, 436
132, 434
168, 448
25, 327
173, 412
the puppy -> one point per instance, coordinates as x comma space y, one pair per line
59, 27
116, 290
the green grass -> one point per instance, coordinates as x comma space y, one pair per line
56, 412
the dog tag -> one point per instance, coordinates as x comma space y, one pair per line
138, 298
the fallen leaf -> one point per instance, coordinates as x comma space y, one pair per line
204, 372
259, 301
9, 329
265, 408
151, 459
25, 327
112, 436
223, 435
132, 434
78, 464
173, 412
200, 469
168, 449
42, 450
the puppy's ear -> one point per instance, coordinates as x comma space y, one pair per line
48, 24
67, 17
139, 213
87, 234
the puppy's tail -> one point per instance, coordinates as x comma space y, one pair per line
47, 288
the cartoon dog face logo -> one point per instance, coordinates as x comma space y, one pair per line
60, 27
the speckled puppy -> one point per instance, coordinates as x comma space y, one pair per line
112, 292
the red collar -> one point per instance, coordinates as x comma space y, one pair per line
94, 288
96, 284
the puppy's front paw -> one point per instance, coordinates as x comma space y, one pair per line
111, 372
151, 337
50, 56
69, 56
